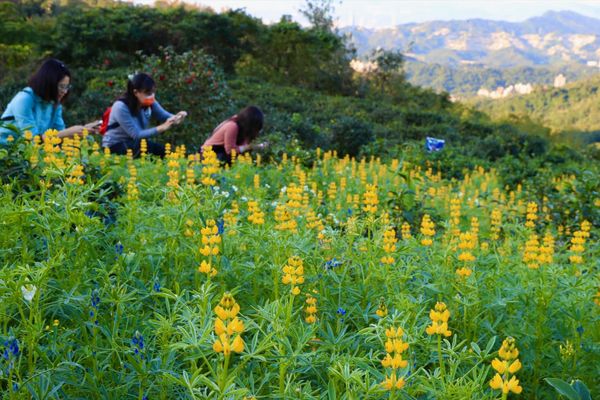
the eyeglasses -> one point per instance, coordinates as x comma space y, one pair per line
64, 88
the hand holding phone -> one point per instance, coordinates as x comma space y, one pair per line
93, 124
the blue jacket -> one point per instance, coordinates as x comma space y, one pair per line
31, 112
132, 127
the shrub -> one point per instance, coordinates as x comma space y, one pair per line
193, 82
349, 135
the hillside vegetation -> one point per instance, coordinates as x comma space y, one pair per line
572, 109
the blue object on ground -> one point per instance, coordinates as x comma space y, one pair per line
433, 144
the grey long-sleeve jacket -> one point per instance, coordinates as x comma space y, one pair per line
132, 126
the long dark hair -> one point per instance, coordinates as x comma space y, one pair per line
45, 81
250, 122
142, 83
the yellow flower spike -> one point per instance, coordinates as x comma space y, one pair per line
394, 347
506, 368
293, 274
228, 327
382, 311
439, 321
427, 230
370, 199
310, 309
531, 216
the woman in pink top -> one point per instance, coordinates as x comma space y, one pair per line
237, 133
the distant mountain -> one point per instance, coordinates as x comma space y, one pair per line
554, 37
574, 107
466, 80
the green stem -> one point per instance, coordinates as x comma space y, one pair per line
223, 379
439, 348
282, 363
282, 370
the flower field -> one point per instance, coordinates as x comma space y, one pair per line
334, 279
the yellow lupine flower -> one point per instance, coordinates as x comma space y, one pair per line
427, 230
389, 246
310, 309
505, 367
382, 310
439, 320
228, 327
293, 274
394, 347
531, 217
392, 382
210, 166
370, 199
406, 231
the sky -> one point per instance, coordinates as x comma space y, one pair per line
386, 13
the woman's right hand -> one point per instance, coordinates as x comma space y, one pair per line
165, 126
261, 146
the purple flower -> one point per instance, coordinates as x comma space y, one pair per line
95, 298
95, 302
331, 264
137, 343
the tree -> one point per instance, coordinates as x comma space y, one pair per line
389, 71
319, 14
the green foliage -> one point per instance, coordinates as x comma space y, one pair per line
570, 112
349, 135
389, 72
87, 270
88, 36
311, 58
13, 161
465, 81
576, 391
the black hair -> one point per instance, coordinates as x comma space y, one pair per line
44, 82
142, 83
250, 122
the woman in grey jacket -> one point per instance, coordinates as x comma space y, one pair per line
130, 117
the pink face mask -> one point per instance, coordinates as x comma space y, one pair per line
148, 101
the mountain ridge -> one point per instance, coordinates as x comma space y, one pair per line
555, 36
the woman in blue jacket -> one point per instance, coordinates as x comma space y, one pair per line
130, 115
38, 107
